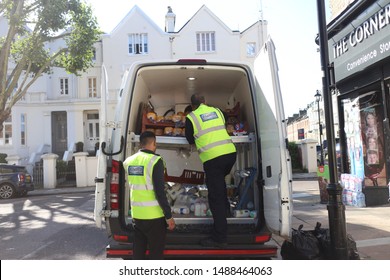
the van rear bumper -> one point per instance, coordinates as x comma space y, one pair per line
125, 251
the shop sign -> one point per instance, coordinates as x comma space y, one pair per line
301, 134
362, 43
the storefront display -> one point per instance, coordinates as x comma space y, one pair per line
359, 42
372, 134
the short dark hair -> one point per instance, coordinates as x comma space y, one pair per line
146, 137
188, 109
196, 99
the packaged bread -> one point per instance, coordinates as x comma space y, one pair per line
160, 118
183, 132
151, 116
176, 118
168, 118
177, 131
159, 131
230, 129
168, 131
150, 129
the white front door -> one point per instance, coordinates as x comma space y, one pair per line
92, 130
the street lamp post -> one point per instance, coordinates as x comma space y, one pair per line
336, 209
318, 98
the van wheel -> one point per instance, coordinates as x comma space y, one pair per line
7, 191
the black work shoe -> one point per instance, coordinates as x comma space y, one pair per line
209, 242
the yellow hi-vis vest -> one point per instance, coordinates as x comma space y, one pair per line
211, 137
144, 204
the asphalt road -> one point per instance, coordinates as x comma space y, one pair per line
51, 227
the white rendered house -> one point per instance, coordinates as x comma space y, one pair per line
62, 109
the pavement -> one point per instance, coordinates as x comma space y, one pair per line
368, 226
54, 191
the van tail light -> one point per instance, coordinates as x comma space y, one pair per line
262, 238
192, 61
114, 185
121, 238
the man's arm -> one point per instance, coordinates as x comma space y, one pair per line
158, 184
189, 132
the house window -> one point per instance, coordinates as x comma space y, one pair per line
92, 91
250, 49
138, 43
23, 129
6, 133
205, 41
64, 86
93, 54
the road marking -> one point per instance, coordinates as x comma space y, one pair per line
373, 242
37, 250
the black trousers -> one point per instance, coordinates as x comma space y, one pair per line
149, 234
216, 170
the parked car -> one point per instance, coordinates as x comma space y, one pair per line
325, 155
14, 181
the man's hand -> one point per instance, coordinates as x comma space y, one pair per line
171, 224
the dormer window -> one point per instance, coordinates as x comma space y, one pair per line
138, 43
205, 41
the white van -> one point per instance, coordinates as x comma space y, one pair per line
153, 96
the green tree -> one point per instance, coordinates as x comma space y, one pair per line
24, 52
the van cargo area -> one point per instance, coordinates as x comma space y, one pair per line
155, 97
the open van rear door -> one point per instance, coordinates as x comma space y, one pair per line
275, 155
102, 175
100, 179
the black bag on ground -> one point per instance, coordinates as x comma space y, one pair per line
314, 245
304, 245
323, 236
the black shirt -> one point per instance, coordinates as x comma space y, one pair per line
189, 132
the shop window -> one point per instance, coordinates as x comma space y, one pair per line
363, 117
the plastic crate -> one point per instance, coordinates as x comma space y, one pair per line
187, 177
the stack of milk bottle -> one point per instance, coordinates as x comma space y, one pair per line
352, 190
187, 199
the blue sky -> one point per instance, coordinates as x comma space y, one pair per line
291, 24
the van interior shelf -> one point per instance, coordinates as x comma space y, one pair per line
178, 140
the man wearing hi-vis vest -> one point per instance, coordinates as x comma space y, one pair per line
150, 209
205, 127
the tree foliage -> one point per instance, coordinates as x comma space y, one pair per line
25, 54
296, 161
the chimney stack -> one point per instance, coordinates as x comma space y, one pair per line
170, 18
